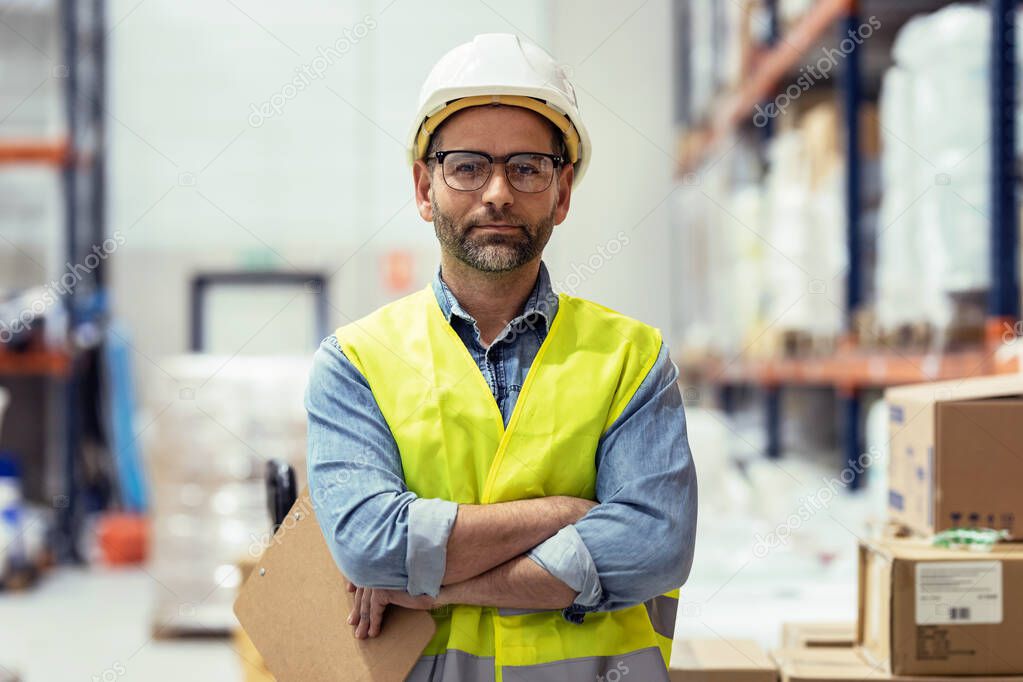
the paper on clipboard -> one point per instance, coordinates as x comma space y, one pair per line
294, 606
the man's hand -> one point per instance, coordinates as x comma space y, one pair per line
368, 612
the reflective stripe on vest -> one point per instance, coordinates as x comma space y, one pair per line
458, 666
662, 611
453, 666
454, 446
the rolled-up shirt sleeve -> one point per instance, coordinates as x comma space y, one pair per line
639, 540
564, 555
380, 534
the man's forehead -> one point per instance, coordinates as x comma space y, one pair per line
497, 129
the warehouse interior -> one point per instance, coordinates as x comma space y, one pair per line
815, 201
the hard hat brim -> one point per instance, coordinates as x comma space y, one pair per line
563, 123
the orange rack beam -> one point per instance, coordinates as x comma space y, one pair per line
52, 152
34, 363
854, 369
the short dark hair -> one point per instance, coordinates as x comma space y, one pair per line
557, 143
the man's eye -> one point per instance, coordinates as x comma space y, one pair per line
525, 169
468, 168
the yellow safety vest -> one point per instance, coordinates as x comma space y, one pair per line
454, 446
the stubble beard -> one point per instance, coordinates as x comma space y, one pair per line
488, 252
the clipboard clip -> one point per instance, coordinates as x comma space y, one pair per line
281, 491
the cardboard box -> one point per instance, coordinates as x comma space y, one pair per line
829, 664
813, 635
930, 611
956, 458
824, 664
720, 660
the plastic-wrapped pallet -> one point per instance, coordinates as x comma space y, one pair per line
806, 234
719, 42
31, 99
933, 243
900, 267
720, 256
31, 220
30, 78
763, 259
699, 292
215, 421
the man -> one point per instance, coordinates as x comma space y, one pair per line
512, 459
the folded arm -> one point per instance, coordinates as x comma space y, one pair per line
382, 535
516, 584
641, 536
485, 536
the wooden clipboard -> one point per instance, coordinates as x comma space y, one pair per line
294, 606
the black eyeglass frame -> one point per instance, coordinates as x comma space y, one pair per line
557, 159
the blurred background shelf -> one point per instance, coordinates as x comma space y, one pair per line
775, 61
788, 156
52, 218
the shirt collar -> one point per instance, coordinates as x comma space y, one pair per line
542, 301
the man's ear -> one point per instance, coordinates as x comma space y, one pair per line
564, 193
422, 179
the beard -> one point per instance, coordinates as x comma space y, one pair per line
486, 252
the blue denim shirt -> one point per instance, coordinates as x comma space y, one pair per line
635, 544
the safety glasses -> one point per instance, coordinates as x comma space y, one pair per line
468, 171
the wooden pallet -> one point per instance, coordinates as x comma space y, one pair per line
799, 343
172, 621
25, 578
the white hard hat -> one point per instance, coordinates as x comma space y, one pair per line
500, 68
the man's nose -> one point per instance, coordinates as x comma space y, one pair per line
498, 191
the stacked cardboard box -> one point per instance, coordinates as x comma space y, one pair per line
933, 611
956, 454
818, 635
927, 612
216, 422
833, 664
720, 660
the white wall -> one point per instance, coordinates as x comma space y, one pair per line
199, 182
620, 57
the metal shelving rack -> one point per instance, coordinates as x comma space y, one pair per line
79, 157
851, 369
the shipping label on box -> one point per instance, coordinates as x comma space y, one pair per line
958, 592
925, 610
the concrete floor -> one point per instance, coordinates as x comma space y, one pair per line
95, 624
